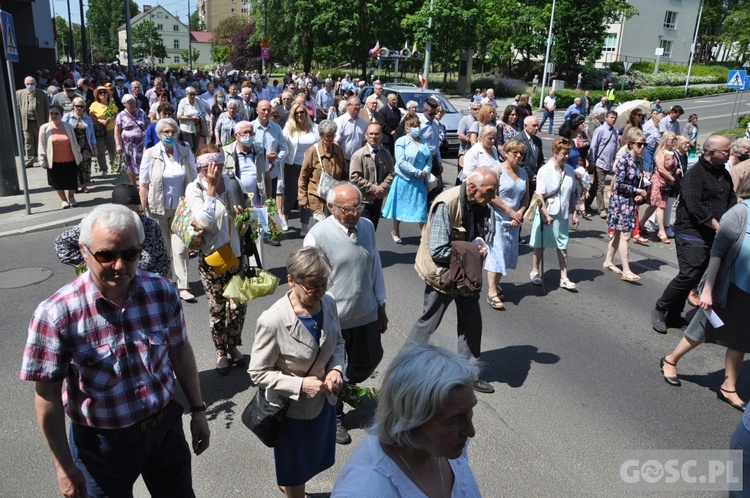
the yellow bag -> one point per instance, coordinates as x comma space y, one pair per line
222, 259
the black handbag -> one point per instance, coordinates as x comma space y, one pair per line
265, 419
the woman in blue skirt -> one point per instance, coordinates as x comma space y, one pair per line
407, 200
298, 357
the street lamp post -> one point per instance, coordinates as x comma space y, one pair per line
428, 47
190, 41
546, 58
72, 53
692, 49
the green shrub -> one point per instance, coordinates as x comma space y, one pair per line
675, 79
566, 97
743, 120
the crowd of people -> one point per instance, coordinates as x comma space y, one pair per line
310, 146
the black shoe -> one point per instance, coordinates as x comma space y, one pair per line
658, 322
342, 435
271, 242
672, 381
676, 322
719, 394
482, 386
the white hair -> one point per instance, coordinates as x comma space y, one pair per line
241, 123
415, 387
480, 174
333, 193
110, 217
164, 122
327, 126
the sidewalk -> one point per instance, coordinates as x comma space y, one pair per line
45, 204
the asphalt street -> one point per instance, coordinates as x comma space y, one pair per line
576, 373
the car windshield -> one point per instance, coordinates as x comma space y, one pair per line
420, 97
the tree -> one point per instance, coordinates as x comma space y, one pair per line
219, 53
735, 32
103, 18
147, 41
185, 55
195, 23
62, 43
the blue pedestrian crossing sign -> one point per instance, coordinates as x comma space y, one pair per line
736, 79
10, 42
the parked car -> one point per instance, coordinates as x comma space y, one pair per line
406, 92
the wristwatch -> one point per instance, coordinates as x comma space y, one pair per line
198, 409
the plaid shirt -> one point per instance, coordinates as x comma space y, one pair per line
115, 360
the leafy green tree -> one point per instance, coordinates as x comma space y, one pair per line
454, 26
147, 41
103, 18
63, 38
185, 55
195, 22
735, 29
219, 53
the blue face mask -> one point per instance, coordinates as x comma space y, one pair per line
169, 141
220, 100
31, 88
414, 132
246, 141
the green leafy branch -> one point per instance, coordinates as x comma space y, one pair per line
354, 395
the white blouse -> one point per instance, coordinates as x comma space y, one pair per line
547, 181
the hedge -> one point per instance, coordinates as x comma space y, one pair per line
566, 97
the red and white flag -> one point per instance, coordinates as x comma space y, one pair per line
422, 80
374, 52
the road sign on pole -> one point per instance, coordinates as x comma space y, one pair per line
627, 66
10, 42
736, 79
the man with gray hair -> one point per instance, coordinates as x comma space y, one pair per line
574, 108
153, 93
116, 338
489, 98
350, 131
284, 107
33, 107
357, 283
240, 158
370, 113
459, 213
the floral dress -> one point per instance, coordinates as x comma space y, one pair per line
505, 132
622, 210
656, 197
132, 136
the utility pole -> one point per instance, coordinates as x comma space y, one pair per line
428, 48
127, 35
84, 45
190, 41
72, 53
546, 58
150, 34
692, 49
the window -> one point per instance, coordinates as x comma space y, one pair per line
161, 61
610, 42
177, 44
160, 27
234, 10
244, 10
177, 58
667, 46
670, 20
176, 27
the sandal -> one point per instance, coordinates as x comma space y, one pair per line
495, 303
500, 294
535, 278
664, 240
566, 284
638, 239
611, 267
84, 190
630, 277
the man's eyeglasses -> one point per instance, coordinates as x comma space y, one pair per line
351, 210
723, 151
314, 290
103, 257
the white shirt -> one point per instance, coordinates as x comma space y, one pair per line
350, 134
547, 181
369, 472
247, 176
549, 103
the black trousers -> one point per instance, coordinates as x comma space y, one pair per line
364, 350
372, 211
692, 258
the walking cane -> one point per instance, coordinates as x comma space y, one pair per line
541, 242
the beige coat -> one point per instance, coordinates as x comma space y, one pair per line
284, 349
309, 176
362, 172
41, 110
155, 161
45, 144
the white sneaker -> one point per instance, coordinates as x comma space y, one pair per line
64, 205
669, 232
187, 296
284, 226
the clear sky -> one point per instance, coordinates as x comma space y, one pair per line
176, 7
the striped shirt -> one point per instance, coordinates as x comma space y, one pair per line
114, 359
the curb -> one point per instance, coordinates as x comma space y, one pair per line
66, 222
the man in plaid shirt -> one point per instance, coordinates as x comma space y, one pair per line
117, 336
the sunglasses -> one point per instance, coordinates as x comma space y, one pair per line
103, 257
79, 106
640, 144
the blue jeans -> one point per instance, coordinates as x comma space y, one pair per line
111, 461
551, 116
648, 159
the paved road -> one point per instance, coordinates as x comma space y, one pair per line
576, 375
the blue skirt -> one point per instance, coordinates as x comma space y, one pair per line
407, 201
306, 447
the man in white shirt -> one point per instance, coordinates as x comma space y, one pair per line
550, 104
350, 131
490, 98
324, 100
671, 122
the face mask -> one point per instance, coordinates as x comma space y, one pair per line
246, 141
31, 88
169, 141
414, 132
220, 100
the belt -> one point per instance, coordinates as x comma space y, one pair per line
144, 425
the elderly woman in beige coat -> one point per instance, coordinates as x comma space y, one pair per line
298, 355
60, 155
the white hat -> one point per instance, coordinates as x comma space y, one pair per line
128, 98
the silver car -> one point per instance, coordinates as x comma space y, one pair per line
406, 92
